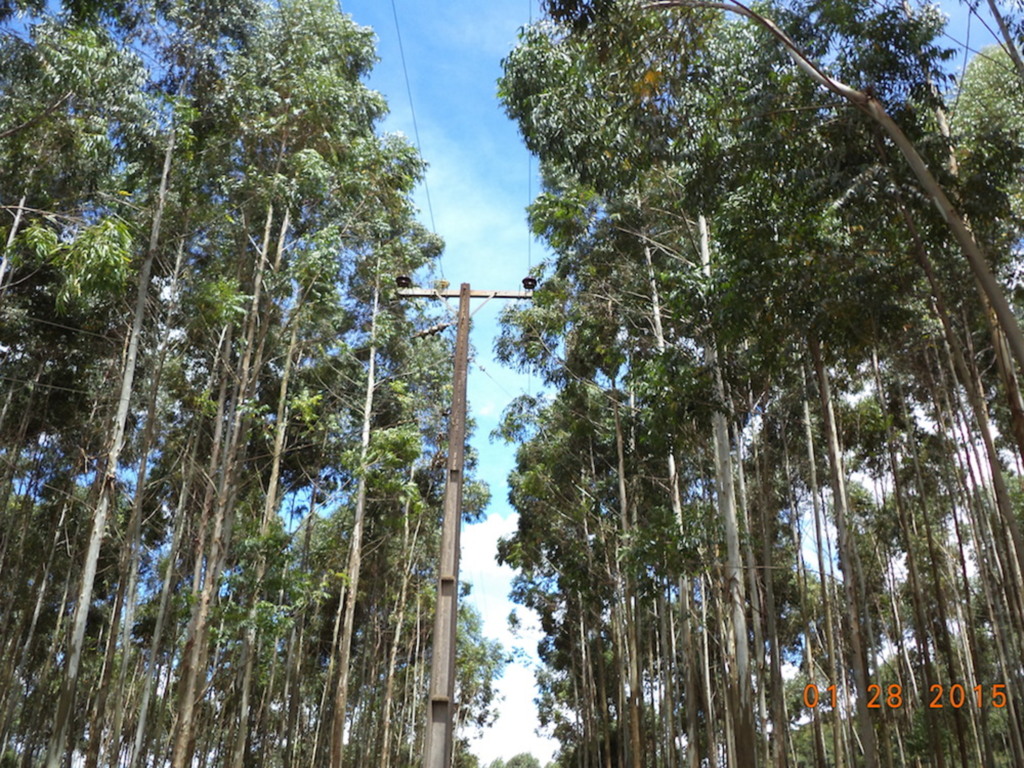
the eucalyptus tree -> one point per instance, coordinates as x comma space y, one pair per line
807, 270
583, 13
205, 367
311, 174
78, 119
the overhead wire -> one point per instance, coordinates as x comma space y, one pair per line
415, 125
45, 385
497, 383
973, 11
529, 200
963, 68
68, 328
529, 179
965, 45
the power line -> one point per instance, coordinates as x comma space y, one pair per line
44, 384
963, 68
68, 328
529, 183
415, 125
497, 383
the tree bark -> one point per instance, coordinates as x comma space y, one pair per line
1008, 43
741, 694
107, 483
865, 727
5, 260
196, 648
355, 551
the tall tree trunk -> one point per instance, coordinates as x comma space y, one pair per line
5, 259
632, 652
150, 673
944, 417
195, 654
677, 514
774, 681
755, 596
409, 541
921, 633
269, 511
847, 559
741, 694
11, 690
130, 556
693, 673
107, 484
711, 713
355, 551
1008, 43
811, 630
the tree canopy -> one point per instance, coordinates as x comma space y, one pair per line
220, 429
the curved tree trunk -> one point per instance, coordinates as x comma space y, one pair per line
873, 108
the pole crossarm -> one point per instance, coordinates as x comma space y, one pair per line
428, 293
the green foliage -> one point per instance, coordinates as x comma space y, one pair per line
523, 760
234, 476
479, 663
92, 260
989, 129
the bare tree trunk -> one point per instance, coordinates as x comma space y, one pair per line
149, 675
943, 410
269, 511
195, 654
1008, 44
755, 596
636, 744
355, 551
741, 694
409, 547
1003, 601
774, 681
921, 633
296, 640
107, 484
847, 555
811, 635
6, 259
129, 561
711, 713
11, 689
693, 678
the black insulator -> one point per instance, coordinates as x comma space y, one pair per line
529, 283
404, 281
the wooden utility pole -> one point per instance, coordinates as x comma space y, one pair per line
437, 752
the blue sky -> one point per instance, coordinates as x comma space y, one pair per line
480, 179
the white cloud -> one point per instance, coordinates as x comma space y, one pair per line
515, 729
